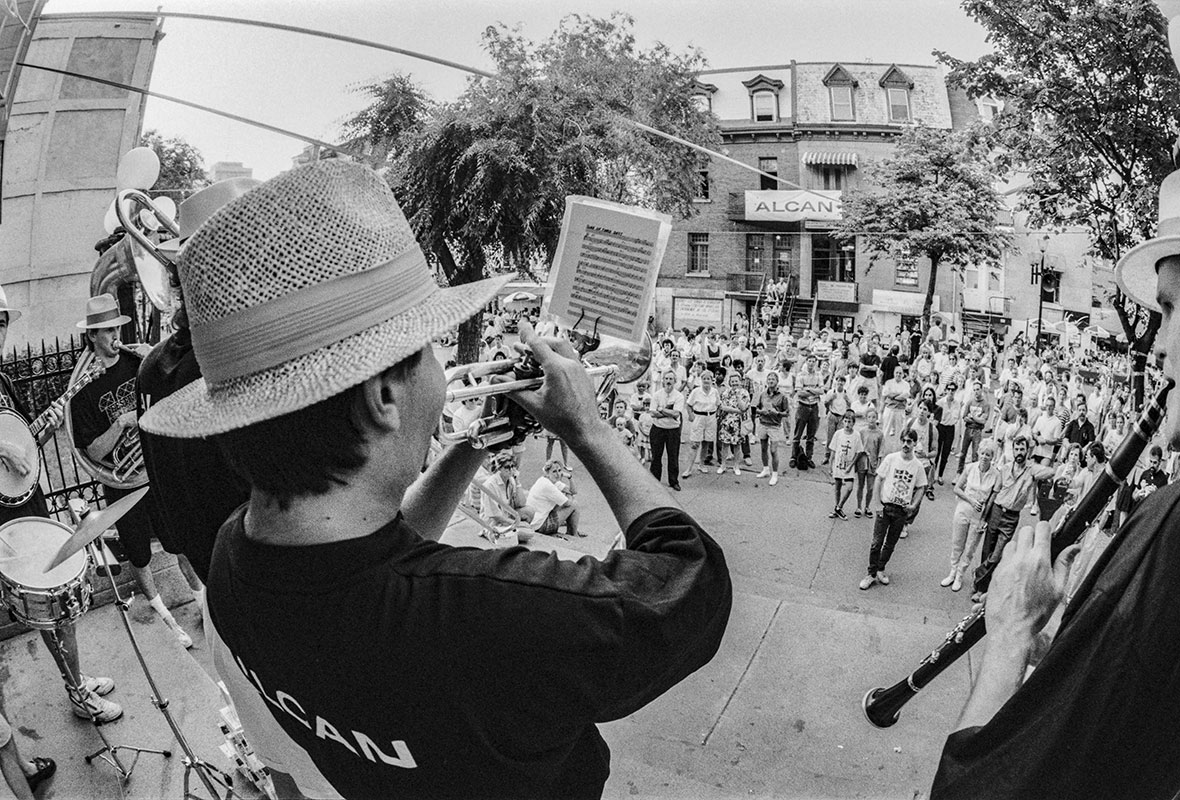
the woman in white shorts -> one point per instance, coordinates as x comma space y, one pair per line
702, 405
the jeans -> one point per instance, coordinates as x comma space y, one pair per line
946, 443
1001, 524
886, 529
972, 434
806, 424
669, 438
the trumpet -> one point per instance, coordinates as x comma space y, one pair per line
614, 364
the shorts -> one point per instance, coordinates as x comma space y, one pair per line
703, 428
550, 525
137, 527
772, 432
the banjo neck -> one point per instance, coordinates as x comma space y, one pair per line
38, 426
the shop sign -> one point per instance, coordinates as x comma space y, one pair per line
779, 206
693, 312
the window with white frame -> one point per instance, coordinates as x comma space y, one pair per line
841, 97
765, 106
899, 105
698, 253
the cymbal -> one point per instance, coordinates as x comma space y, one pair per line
94, 524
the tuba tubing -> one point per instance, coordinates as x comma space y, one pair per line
882, 706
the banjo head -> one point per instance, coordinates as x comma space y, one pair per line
16, 489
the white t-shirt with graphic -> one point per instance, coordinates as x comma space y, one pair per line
845, 448
900, 478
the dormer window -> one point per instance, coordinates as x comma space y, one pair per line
897, 86
763, 98
702, 95
840, 84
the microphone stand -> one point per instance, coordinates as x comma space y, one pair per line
213, 778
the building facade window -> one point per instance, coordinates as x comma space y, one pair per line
905, 269
702, 186
765, 106
829, 178
780, 255
770, 167
755, 250
832, 260
841, 97
698, 253
703, 102
899, 105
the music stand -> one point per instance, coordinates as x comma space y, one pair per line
213, 778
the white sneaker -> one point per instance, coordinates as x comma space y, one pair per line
736, 470
185, 640
867, 581
764, 473
773, 478
88, 705
686, 474
949, 579
904, 532
958, 584
721, 470
98, 685
883, 578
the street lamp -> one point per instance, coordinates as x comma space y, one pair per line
1039, 270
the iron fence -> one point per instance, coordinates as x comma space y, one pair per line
40, 376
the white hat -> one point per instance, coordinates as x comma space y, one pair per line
196, 210
13, 314
102, 311
1136, 272
306, 285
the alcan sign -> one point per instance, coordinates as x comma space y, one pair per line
774, 206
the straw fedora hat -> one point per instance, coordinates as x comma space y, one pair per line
1135, 272
102, 311
13, 314
196, 210
304, 286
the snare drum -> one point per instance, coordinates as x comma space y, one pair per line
40, 599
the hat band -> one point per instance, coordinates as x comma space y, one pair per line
303, 321
97, 320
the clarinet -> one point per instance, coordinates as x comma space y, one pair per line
882, 706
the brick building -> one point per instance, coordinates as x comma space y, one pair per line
812, 126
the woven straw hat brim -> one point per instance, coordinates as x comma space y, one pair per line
201, 409
1135, 273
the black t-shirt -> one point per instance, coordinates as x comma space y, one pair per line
35, 506
193, 488
1100, 716
99, 404
484, 671
868, 365
888, 367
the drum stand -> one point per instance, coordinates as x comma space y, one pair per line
213, 778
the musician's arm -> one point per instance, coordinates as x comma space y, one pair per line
101, 447
430, 501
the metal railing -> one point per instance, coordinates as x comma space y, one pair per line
39, 377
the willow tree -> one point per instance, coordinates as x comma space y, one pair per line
483, 180
934, 196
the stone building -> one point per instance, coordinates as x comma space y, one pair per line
811, 127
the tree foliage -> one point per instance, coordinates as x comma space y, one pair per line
934, 196
1092, 106
483, 180
182, 168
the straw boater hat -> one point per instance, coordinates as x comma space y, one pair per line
13, 314
1136, 272
303, 287
196, 210
102, 311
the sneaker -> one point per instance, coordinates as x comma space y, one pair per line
773, 478
98, 685
87, 705
44, 769
792, 464
976, 597
905, 532
868, 514
949, 579
929, 494
856, 513
721, 470
825, 461
675, 488
834, 515
882, 578
737, 470
867, 581
957, 584
686, 474
747, 462
765, 473
840, 514
701, 469
940, 481
185, 640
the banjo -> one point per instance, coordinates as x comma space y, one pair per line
20, 441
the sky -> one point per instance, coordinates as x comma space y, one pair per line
308, 84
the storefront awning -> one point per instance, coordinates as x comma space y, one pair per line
832, 159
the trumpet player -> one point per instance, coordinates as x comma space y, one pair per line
105, 425
364, 658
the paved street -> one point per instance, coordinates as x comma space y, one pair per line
775, 714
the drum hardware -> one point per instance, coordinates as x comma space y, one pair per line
49, 599
213, 778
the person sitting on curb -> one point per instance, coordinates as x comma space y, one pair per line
552, 499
